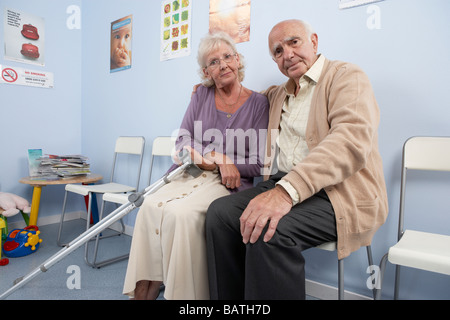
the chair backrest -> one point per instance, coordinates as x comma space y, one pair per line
427, 153
131, 146
422, 153
163, 147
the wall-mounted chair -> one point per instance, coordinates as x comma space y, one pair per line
331, 246
418, 249
125, 147
162, 146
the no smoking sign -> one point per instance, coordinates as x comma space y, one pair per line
26, 77
9, 75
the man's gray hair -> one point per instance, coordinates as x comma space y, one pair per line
306, 26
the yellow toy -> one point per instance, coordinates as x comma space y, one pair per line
4, 261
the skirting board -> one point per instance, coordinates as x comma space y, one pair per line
325, 292
42, 221
314, 289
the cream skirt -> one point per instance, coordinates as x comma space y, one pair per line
169, 237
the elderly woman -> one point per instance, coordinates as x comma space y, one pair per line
221, 128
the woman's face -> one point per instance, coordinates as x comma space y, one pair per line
222, 66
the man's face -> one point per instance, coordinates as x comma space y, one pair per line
292, 49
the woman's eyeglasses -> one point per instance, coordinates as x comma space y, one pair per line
227, 58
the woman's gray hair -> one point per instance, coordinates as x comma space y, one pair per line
211, 43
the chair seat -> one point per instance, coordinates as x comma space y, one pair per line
111, 187
120, 198
422, 250
328, 246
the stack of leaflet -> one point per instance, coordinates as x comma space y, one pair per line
64, 166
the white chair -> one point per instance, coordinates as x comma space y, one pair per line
162, 146
418, 249
132, 146
331, 246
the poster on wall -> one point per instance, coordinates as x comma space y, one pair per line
345, 4
26, 77
121, 44
231, 16
175, 29
24, 35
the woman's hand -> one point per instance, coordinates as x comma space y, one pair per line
197, 159
231, 178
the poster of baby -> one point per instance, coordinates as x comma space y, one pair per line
121, 44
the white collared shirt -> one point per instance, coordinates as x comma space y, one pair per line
294, 118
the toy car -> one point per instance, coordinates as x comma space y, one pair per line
30, 50
30, 32
22, 242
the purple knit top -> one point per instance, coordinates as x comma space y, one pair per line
241, 136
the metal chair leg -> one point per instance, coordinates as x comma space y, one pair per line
397, 282
370, 259
89, 213
58, 239
341, 279
341, 287
380, 276
98, 264
369, 255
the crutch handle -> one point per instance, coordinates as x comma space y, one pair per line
136, 198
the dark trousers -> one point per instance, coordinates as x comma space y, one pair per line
272, 270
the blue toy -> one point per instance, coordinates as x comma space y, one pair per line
22, 242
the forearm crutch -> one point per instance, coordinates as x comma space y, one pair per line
135, 200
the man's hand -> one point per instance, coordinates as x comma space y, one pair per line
194, 89
269, 206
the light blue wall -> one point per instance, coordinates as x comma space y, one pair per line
407, 60
42, 118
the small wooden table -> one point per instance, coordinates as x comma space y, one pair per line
37, 184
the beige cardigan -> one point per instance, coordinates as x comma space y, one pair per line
343, 159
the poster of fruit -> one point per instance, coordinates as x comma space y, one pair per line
175, 29
24, 35
231, 16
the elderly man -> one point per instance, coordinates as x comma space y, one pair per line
329, 185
